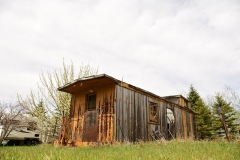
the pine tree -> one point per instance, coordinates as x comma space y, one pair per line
203, 120
193, 96
229, 115
203, 117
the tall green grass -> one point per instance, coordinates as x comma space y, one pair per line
152, 150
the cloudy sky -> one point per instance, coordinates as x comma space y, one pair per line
160, 46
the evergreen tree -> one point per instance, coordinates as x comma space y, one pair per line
203, 120
203, 114
229, 115
193, 97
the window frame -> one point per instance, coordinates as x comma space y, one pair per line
87, 100
153, 112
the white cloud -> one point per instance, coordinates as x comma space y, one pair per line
160, 46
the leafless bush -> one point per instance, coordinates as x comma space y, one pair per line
10, 118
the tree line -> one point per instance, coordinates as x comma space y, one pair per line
208, 122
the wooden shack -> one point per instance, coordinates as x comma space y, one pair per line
104, 109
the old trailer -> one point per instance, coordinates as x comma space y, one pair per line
21, 136
21, 132
104, 109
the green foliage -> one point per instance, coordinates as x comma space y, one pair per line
193, 97
229, 115
234, 98
203, 120
203, 117
39, 111
151, 150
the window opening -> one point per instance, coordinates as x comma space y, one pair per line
170, 123
92, 102
153, 112
170, 116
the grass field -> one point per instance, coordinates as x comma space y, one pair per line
153, 150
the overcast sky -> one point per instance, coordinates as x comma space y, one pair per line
160, 46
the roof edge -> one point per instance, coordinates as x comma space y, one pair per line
84, 79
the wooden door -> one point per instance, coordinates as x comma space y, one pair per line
90, 126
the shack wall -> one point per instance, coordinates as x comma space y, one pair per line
123, 114
104, 116
132, 122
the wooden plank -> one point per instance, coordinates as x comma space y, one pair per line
194, 133
117, 114
73, 106
191, 126
141, 107
145, 120
177, 123
143, 127
164, 114
188, 124
161, 116
181, 123
184, 120
125, 115
115, 106
140, 120
129, 115
137, 115
120, 114
133, 117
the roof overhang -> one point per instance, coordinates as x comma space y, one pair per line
86, 82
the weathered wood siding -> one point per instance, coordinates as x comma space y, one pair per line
124, 115
104, 104
178, 123
132, 122
131, 115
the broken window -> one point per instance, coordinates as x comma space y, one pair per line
155, 132
170, 124
91, 102
153, 112
170, 116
